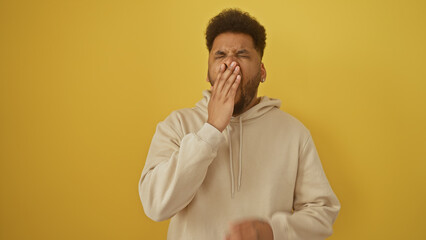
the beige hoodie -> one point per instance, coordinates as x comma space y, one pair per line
264, 165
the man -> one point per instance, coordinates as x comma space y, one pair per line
235, 166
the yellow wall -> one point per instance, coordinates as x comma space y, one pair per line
83, 84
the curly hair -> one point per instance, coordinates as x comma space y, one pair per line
236, 21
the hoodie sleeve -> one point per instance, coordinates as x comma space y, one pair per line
315, 205
175, 167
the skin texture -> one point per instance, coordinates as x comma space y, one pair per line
251, 229
235, 71
234, 87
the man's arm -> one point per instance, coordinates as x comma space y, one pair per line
175, 168
315, 204
315, 207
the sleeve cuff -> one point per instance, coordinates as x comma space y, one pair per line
279, 225
210, 135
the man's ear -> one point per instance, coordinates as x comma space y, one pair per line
263, 72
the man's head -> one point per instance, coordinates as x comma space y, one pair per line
233, 35
236, 21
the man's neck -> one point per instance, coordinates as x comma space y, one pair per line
253, 102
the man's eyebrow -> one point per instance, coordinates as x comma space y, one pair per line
219, 52
243, 51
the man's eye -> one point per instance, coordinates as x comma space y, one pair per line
243, 56
219, 56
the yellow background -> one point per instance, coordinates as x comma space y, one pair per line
84, 83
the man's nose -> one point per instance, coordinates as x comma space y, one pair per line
229, 60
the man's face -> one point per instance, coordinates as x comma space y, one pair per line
228, 47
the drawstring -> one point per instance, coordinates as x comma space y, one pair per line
231, 165
241, 144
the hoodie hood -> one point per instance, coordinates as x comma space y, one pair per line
265, 105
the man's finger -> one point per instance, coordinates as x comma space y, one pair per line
225, 76
233, 90
219, 75
228, 84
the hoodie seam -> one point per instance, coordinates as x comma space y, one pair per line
251, 120
305, 144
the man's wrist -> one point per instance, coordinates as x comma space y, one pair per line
215, 126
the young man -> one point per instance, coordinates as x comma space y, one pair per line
235, 166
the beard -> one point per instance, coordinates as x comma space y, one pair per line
247, 92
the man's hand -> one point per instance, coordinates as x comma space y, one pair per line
221, 104
250, 230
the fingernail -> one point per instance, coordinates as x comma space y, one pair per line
233, 64
237, 68
222, 66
